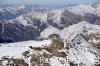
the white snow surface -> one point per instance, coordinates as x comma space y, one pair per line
83, 9
48, 31
82, 52
54, 14
71, 31
16, 49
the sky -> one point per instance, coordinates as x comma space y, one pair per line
49, 2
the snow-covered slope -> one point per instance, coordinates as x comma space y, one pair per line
62, 37
49, 31
32, 20
83, 9
15, 50
78, 44
82, 48
55, 15
79, 28
71, 30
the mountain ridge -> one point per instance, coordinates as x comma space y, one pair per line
74, 47
31, 21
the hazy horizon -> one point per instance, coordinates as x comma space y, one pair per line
53, 3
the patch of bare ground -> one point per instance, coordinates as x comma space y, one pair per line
14, 62
19, 62
97, 22
98, 45
25, 54
52, 50
90, 39
46, 64
71, 64
36, 48
98, 65
90, 36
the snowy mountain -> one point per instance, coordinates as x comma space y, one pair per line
74, 47
71, 30
83, 9
43, 36
27, 22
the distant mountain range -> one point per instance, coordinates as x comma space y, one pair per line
22, 23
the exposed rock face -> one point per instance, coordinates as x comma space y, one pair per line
98, 22
69, 18
73, 46
91, 18
56, 53
26, 23
18, 32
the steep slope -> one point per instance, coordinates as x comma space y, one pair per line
22, 23
84, 41
73, 30
75, 47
